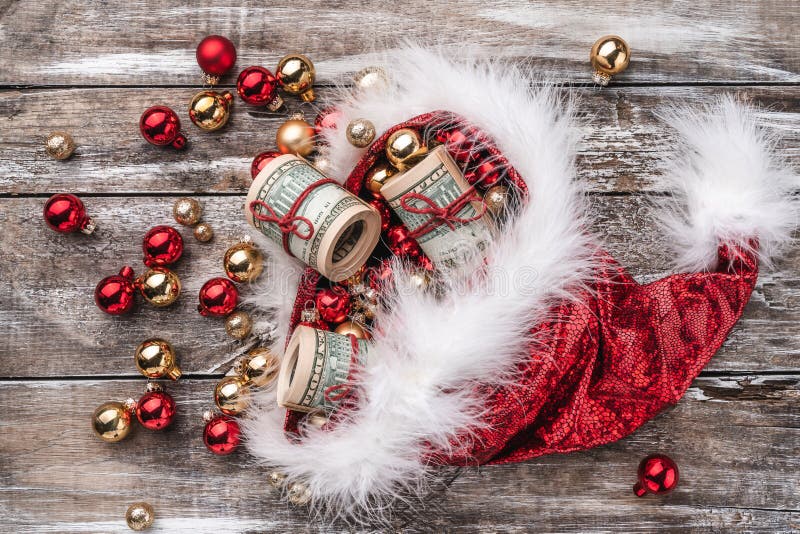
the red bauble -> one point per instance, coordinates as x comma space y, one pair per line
401, 244
218, 297
258, 87
155, 410
216, 55
161, 126
66, 213
459, 141
260, 161
485, 174
221, 435
162, 245
333, 304
327, 119
383, 209
657, 474
114, 294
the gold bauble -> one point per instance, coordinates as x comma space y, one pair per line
316, 419
210, 110
404, 148
159, 286
295, 136
243, 262
298, 493
296, 74
352, 328
377, 176
322, 164
187, 211
276, 479
238, 325
203, 232
155, 358
59, 145
371, 78
420, 279
111, 421
230, 395
360, 133
610, 55
140, 516
259, 367
496, 200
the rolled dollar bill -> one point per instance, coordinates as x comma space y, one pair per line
316, 371
441, 211
316, 220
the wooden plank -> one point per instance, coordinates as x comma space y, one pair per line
623, 146
52, 327
736, 442
153, 43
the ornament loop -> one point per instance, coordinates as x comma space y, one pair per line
441, 215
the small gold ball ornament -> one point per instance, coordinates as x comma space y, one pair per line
296, 74
322, 164
610, 55
259, 367
404, 148
238, 325
210, 110
377, 176
243, 262
316, 419
352, 328
371, 78
276, 479
420, 279
187, 211
230, 395
295, 136
360, 133
140, 516
155, 358
299, 493
496, 200
159, 286
59, 145
111, 421
203, 232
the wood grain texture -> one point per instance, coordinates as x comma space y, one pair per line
624, 144
736, 440
149, 42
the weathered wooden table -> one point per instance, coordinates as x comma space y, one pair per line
90, 68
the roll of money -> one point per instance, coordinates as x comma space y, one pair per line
441, 211
316, 220
316, 371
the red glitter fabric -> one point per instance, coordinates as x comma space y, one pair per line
607, 364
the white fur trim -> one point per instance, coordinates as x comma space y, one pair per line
728, 186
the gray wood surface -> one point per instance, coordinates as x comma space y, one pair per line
91, 68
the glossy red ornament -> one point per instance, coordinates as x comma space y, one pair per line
333, 304
260, 161
657, 474
215, 55
401, 244
162, 245
115, 294
66, 213
383, 209
485, 174
161, 126
155, 410
460, 142
327, 119
222, 435
218, 297
258, 87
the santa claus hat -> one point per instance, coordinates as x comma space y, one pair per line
419, 397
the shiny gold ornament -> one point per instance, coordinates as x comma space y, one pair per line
352, 328
210, 110
159, 286
296, 74
316, 419
140, 516
371, 78
377, 176
243, 262
238, 325
420, 279
360, 133
496, 200
187, 211
259, 367
203, 232
322, 164
111, 421
299, 494
610, 55
59, 145
295, 136
230, 395
155, 358
404, 148
276, 479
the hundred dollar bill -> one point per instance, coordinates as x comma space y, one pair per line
334, 231
316, 369
440, 181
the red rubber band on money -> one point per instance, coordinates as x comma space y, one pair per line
441, 215
288, 224
337, 392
